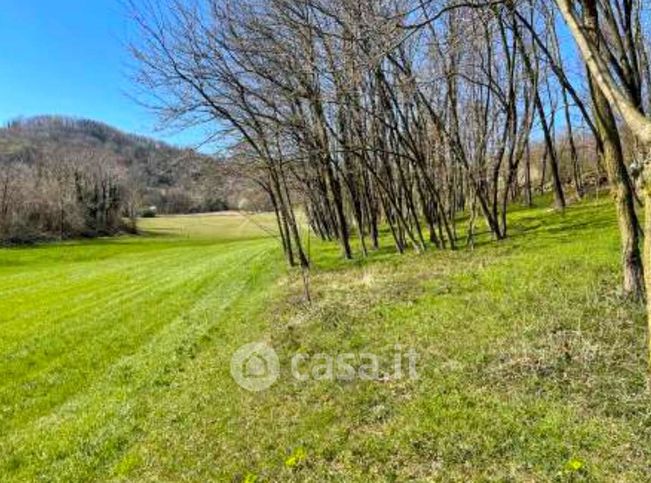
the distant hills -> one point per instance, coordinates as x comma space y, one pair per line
173, 179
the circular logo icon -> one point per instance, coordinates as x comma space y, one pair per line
255, 367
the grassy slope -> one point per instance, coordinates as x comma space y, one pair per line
530, 361
94, 333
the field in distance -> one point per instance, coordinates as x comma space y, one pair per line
226, 225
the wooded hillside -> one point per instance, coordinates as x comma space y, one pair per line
64, 177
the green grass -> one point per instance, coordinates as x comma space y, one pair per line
224, 226
115, 358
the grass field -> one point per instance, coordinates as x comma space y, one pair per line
115, 358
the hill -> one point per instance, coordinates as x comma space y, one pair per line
172, 179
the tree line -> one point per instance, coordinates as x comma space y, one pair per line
62, 195
411, 113
63, 178
401, 112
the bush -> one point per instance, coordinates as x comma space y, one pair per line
149, 213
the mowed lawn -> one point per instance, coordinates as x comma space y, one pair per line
93, 335
116, 358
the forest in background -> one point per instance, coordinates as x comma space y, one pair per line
63, 178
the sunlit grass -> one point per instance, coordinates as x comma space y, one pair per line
223, 226
115, 358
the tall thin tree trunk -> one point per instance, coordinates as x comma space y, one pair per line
620, 181
647, 260
528, 195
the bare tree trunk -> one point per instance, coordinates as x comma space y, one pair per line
574, 155
620, 181
647, 259
528, 195
633, 117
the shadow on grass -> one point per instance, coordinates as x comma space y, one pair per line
537, 224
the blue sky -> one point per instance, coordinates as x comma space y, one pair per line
69, 57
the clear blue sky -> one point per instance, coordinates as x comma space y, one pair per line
69, 57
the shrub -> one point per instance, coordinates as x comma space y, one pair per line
149, 213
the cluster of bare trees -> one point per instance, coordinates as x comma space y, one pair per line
412, 113
63, 194
63, 177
